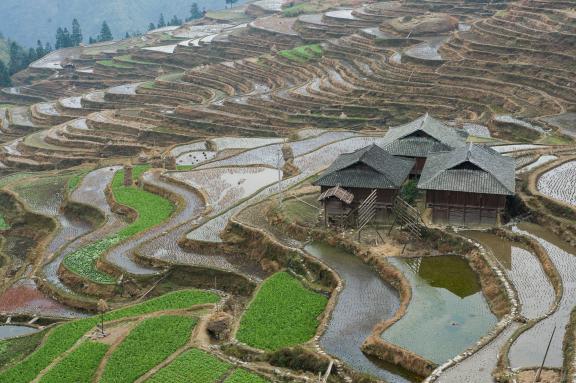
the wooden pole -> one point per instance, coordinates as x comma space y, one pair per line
537, 377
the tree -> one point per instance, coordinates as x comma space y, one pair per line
151, 27
67, 40
194, 12
105, 33
161, 22
231, 2
175, 21
76, 36
32, 56
40, 50
59, 38
5, 79
18, 58
47, 48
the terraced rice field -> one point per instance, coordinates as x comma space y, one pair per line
527, 349
560, 183
365, 301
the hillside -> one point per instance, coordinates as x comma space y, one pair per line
123, 16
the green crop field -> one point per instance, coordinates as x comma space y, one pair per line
194, 366
152, 210
147, 345
283, 313
63, 337
79, 366
303, 53
243, 376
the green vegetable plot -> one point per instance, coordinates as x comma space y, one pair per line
283, 313
152, 211
243, 376
194, 366
63, 337
147, 345
79, 366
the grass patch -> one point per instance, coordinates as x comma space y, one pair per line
152, 210
243, 376
3, 224
14, 350
75, 180
147, 345
114, 64
193, 366
63, 337
299, 9
303, 53
283, 313
78, 366
301, 212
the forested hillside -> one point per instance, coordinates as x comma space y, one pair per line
27, 21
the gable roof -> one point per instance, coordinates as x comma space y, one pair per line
437, 136
381, 170
338, 192
472, 168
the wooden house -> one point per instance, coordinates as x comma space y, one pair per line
468, 186
421, 137
354, 176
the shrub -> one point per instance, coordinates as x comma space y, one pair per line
283, 313
194, 366
147, 345
78, 366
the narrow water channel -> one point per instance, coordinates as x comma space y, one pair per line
447, 313
364, 301
13, 331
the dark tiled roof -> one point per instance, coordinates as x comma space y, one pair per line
342, 194
436, 136
416, 147
472, 168
370, 167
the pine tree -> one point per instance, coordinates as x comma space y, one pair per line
32, 56
47, 48
5, 79
161, 22
59, 38
40, 51
194, 12
92, 40
66, 39
127, 35
105, 33
76, 36
151, 27
175, 21
18, 58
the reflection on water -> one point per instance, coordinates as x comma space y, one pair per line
10, 331
447, 313
364, 302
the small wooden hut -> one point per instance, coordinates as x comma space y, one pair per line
421, 137
468, 186
354, 176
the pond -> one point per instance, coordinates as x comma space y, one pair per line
447, 309
364, 301
13, 331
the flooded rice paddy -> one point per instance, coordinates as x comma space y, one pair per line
364, 301
447, 309
13, 331
528, 349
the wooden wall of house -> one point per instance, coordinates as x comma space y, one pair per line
459, 208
